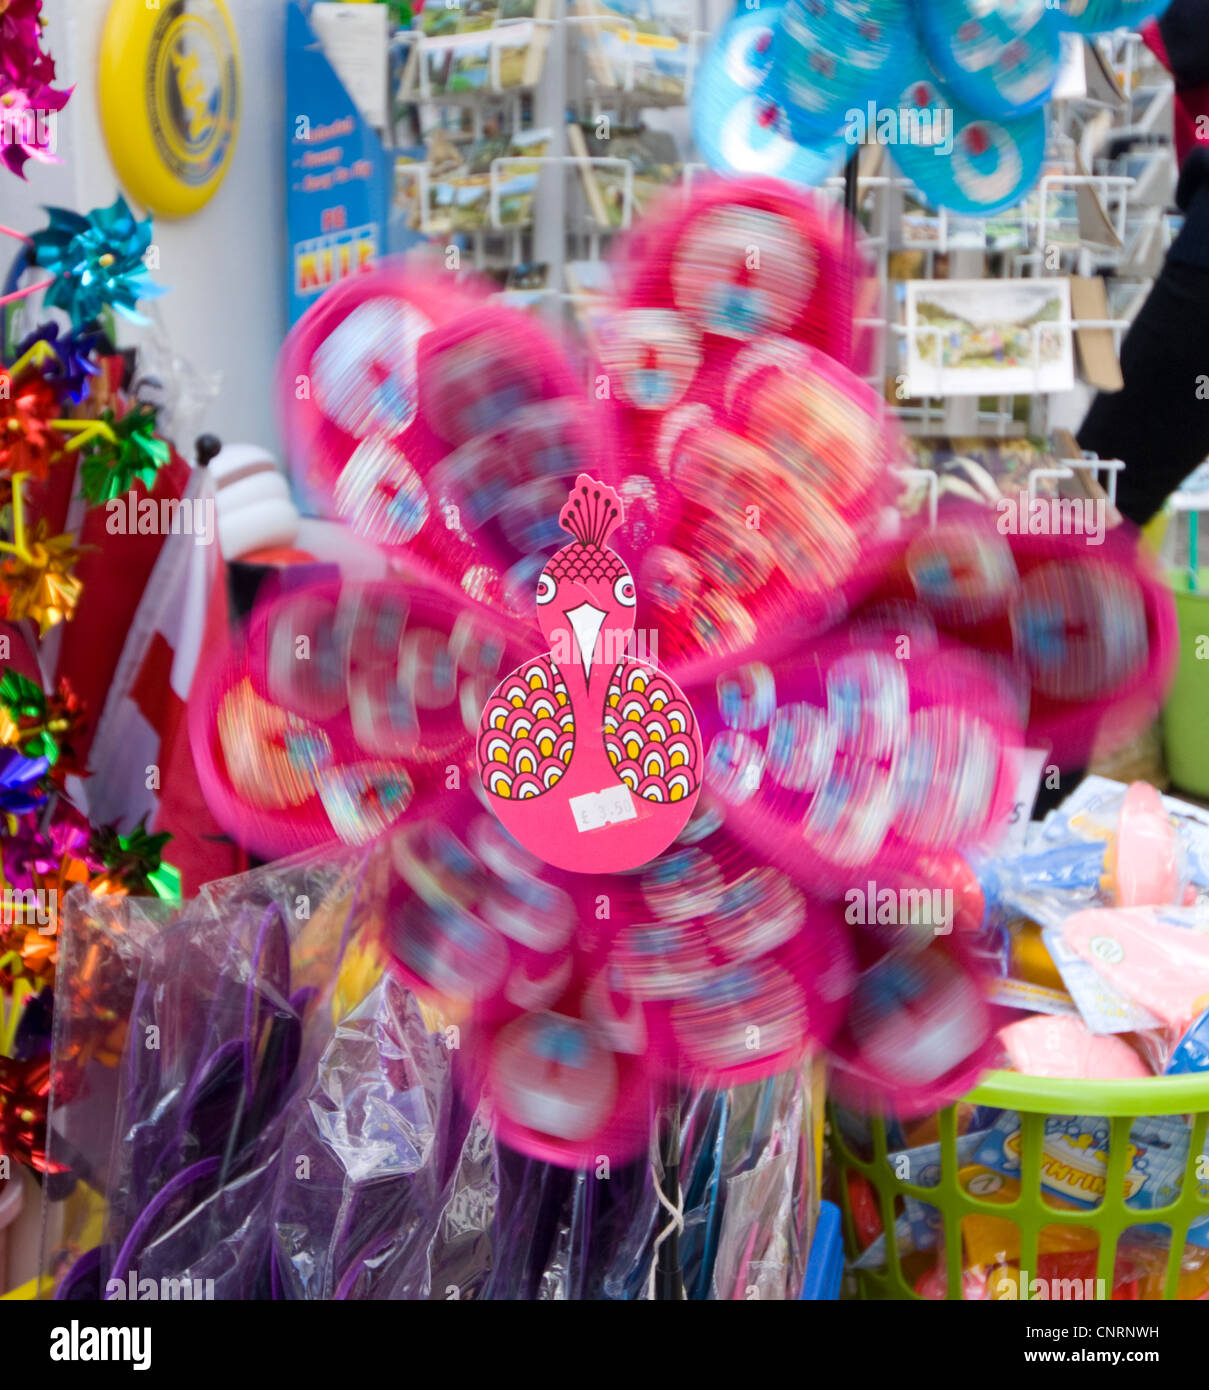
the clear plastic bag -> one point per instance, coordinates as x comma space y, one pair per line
389, 1188
227, 987
288, 1120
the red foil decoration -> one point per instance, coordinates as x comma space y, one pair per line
24, 1097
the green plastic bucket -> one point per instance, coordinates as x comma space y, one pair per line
1186, 717
1121, 1103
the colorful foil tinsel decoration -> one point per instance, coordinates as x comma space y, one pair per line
40, 725
20, 777
36, 579
119, 452
28, 99
45, 857
24, 1096
38, 582
64, 359
46, 862
95, 264
29, 442
136, 861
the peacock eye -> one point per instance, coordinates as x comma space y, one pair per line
623, 591
545, 589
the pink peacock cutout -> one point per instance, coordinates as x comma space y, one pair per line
590, 757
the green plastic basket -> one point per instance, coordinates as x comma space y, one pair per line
1034, 1098
1185, 728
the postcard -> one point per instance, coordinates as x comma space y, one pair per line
654, 164
641, 45
989, 337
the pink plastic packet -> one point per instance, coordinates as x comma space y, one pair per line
1163, 967
1062, 1047
1143, 859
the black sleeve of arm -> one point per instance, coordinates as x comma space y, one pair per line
1185, 30
1194, 178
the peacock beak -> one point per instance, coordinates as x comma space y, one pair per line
586, 622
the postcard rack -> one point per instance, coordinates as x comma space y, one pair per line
1107, 221
622, 91
891, 336
580, 74
599, 89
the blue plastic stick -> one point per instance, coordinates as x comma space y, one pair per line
825, 1268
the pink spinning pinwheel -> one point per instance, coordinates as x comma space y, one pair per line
618, 837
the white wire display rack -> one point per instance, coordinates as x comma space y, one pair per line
1043, 238
928, 483
1047, 243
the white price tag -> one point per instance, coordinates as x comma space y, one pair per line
1030, 763
595, 810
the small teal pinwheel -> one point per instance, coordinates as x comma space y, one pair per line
97, 262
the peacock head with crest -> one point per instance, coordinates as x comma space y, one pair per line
586, 590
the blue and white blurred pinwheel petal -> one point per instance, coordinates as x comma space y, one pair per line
731, 125
971, 164
994, 164
1002, 59
828, 56
780, 91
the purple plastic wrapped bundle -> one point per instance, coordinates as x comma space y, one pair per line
291, 1122
219, 997
390, 1188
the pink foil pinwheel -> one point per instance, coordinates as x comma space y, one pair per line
29, 102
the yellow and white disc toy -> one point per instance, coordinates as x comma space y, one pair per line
170, 100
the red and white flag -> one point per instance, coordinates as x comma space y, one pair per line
140, 762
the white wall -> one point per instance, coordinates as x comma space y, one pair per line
224, 267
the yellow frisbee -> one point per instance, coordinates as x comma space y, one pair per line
170, 100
